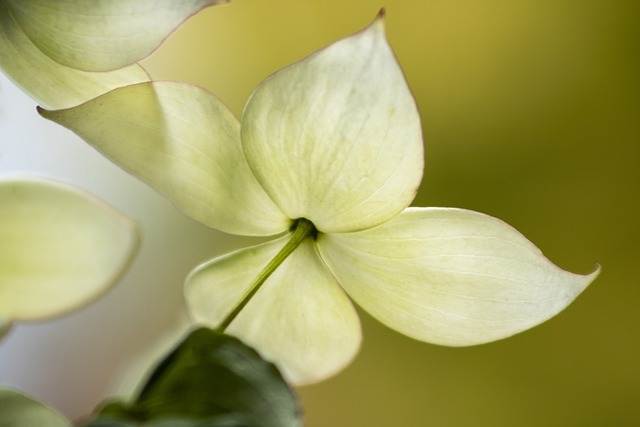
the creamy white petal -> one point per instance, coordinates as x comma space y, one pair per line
336, 138
450, 276
61, 248
300, 319
183, 142
48, 82
100, 35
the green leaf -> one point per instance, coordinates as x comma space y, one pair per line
211, 380
100, 35
47, 81
18, 410
221, 421
61, 248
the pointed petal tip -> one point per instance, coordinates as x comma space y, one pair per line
378, 23
590, 277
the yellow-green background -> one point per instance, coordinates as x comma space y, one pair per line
530, 113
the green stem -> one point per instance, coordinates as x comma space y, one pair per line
303, 229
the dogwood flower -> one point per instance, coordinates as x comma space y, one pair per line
58, 52
329, 151
61, 249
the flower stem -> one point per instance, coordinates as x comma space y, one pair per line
302, 229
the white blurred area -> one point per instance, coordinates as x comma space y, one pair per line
73, 363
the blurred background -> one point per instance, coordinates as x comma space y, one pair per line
530, 112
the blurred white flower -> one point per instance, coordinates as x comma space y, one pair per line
61, 249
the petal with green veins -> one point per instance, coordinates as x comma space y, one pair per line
336, 138
18, 410
48, 82
183, 142
100, 35
300, 319
61, 248
450, 276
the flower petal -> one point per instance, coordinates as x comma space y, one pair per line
48, 82
336, 138
450, 276
61, 248
300, 319
19, 410
184, 143
100, 35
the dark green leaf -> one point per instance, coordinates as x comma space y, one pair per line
210, 380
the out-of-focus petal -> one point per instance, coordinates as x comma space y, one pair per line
336, 138
100, 35
61, 248
450, 276
300, 319
48, 82
183, 142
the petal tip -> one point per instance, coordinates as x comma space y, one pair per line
594, 274
378, 22
42, 111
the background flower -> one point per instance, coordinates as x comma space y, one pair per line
67, 52
61, 249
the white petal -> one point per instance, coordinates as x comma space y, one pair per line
450, 276
183, 142
336, 137
300, 319
61, 248
100, 35
48, 82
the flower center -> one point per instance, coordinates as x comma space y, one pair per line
300, 230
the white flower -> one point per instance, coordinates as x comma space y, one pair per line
330, 147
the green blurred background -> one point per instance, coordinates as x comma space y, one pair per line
530, 113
